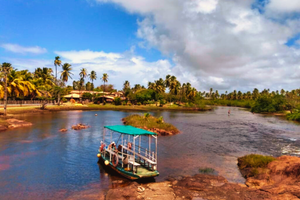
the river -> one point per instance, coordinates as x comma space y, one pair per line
41, 162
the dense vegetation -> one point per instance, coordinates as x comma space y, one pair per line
151, 123
43, 84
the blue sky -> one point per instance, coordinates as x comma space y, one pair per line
68, 25
210, 43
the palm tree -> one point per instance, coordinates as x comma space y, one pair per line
210, 91
104, 79
5, 69
93, 76
66, 73
57, 62
126, 86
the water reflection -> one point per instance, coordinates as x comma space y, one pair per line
40, 161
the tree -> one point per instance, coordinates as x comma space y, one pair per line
93, 76
57, 62
66, 73
126, 86
5, 69
104, 79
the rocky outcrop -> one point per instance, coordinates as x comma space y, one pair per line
161, 132
63, 130
281, 176
15, 123
80, 126
3, 128
198, 187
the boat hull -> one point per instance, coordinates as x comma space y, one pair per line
127, 174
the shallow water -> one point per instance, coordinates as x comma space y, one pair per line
41, 162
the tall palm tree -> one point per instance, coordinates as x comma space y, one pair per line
104, 79
93, 76
126, 86
66, 73
57, 62
5, 69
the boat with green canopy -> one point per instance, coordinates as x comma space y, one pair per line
133, 153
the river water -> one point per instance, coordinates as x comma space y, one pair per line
41, 162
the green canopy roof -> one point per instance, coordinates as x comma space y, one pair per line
129, 130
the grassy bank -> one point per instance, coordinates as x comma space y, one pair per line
151, 123
254, 164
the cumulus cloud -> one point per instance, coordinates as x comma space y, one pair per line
284, 6
15, 48
119, 66
224, 44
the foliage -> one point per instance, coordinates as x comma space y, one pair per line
268, 104
293, 116
254, 161
87, 95
117, 101
151, 123
206, 170
160, 120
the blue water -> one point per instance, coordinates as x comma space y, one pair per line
40, 162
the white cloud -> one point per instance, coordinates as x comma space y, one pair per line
225, 39
284, 5
15, 48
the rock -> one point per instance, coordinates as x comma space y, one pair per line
63, 130
198, 187
3, 128
281, 177
80, 126
15, 123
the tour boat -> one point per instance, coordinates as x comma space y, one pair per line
134, 158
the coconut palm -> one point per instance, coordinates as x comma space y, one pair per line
66, 73
57, 62
93, 76
5, 69
126, 86
104, 79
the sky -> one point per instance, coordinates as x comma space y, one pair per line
221, 44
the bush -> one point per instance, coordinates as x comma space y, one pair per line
268, 104
117, 101
254, 161
160, 120
87, 95
162, 103
104, 102
206, 170
139, 103
129, 104
293, 116
64, 100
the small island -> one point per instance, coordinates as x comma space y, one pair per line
151, 123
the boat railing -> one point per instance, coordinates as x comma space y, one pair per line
150, 159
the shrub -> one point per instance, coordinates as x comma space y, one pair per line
139, 103
206, 170
104, 102
64, 99
146, 115
160, 120
129, 104
254, 161
162, 103
293, 116
117, 101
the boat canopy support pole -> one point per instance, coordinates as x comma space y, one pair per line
122, 152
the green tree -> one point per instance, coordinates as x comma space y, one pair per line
57, 62
104, 79
93, 76
5, 69
66, 73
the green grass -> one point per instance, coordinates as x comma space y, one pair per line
293, 116
149, 122
206, 170
254, 161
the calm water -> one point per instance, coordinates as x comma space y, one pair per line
41, 162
